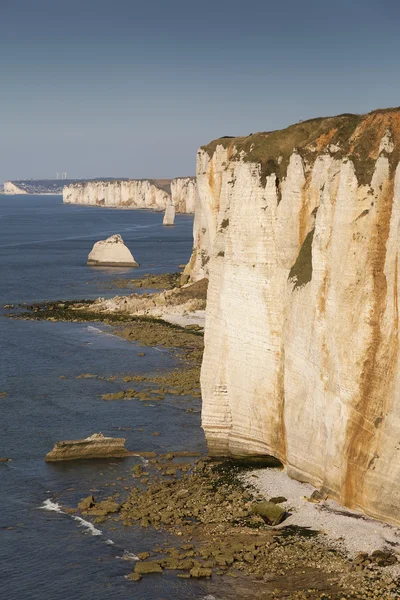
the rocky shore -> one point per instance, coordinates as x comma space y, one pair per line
219, 522
217, 531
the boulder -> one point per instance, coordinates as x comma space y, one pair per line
111, 252
270, 512
95, 446
152, 566
87, 503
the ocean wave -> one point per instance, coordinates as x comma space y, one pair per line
97, 331
128, 556
89, 527
53, 506
144, 460
93, 329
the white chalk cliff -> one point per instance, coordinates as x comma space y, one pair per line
154, 194
299, 233
111, 252
119, 193
183, 194
12, 188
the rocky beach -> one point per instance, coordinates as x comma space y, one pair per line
241, 525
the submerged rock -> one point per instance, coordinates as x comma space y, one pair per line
95, 446
111, 252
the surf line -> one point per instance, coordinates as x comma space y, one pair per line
55, 507
89, 527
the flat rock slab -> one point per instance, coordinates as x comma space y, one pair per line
95, 446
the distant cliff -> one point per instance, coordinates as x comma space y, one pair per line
154, 194
36, 186
299, 233
183, 194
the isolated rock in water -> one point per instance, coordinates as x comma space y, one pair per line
4, 459
169, 216
111, 252
270, 512
95, 446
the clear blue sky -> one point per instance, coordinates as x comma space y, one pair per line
132, 88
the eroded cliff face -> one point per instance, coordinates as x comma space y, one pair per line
298, 231
155, 194
183, 194
119, 193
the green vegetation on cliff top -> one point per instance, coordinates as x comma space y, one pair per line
354, 136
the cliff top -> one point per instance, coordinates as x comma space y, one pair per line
355, 136
162, 184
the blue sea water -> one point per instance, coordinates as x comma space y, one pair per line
46, 554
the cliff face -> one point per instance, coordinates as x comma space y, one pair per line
298, 231
183, 194
155, 194
11, 188
124, 194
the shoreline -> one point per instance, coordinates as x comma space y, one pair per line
206, 511
308, 552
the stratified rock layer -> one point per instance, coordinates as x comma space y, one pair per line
111, 252
95, 446
298, 231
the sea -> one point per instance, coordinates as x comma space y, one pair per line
46, 553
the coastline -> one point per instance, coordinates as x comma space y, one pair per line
302, 557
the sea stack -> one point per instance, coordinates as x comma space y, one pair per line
111, 252
95, 446
169, 216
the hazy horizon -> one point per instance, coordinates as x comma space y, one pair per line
125, 89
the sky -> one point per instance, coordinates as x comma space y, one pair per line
132, 88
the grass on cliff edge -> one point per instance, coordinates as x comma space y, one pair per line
358, 137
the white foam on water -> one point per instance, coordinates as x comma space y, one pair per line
88, 526
128, 556
109, 543
144, 461
93, 329
53, 506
